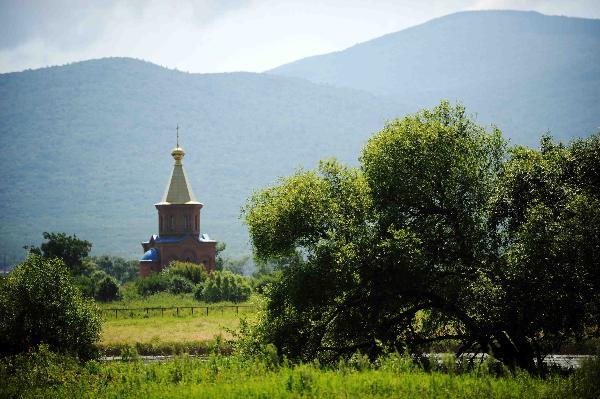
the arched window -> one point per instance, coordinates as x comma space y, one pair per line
172, 223
197, 222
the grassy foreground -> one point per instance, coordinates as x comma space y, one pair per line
44, 374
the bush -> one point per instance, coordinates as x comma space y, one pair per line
261, 283
180, 285
191, 271
152, 284
86, 285
37, 373
40, 304
199, 292
107, 289
224, 286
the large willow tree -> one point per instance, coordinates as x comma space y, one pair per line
441, 234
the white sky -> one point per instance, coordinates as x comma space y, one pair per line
220, 35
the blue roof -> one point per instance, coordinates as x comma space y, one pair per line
160, 239
151, 255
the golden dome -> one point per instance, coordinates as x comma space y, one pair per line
178, 153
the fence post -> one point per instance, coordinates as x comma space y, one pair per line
116, 313
177, 310
192, 310
162, 312
236, 310
207, 310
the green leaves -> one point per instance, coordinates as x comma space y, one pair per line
39, 304
439, 234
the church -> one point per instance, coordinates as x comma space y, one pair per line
178, 226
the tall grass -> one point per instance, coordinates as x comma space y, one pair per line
43, 374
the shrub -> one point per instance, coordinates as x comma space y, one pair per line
199, 292
40, 304
225, 286
191, 271
37, 373
261, 283
107, 289
86, 285
152, 284
180, 285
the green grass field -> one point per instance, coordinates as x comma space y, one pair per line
168, 328
167, 332
49, 376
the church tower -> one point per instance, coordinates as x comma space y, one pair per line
179, 235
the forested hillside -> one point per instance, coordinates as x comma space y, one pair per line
526, 72
85, 148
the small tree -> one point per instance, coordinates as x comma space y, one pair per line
155, 282
70, 249
180, 285
39, 304
224, 286
107, 289
191, 271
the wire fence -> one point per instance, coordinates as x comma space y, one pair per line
160, 311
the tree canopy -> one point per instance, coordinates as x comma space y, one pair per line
70, 249
39, 304
441, 233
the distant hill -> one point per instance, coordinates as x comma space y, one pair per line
524, 71
85, 148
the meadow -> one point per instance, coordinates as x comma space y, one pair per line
45, 374
168, 331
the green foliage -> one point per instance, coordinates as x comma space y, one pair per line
221, 246
224, 286
191, 271
39, 304
70, 249
262, 282
235, 265
585, 383
152, 284
121, 269
37, 373
547, 209
157, 347
107, 290
180, 285
437, 236
85, 284
44, 374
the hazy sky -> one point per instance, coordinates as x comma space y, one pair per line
220, 35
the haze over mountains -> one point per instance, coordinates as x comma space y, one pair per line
524, 71
85, 148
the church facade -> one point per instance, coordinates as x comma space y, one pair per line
178, 235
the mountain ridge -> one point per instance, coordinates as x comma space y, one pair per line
85, 147
547, 65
